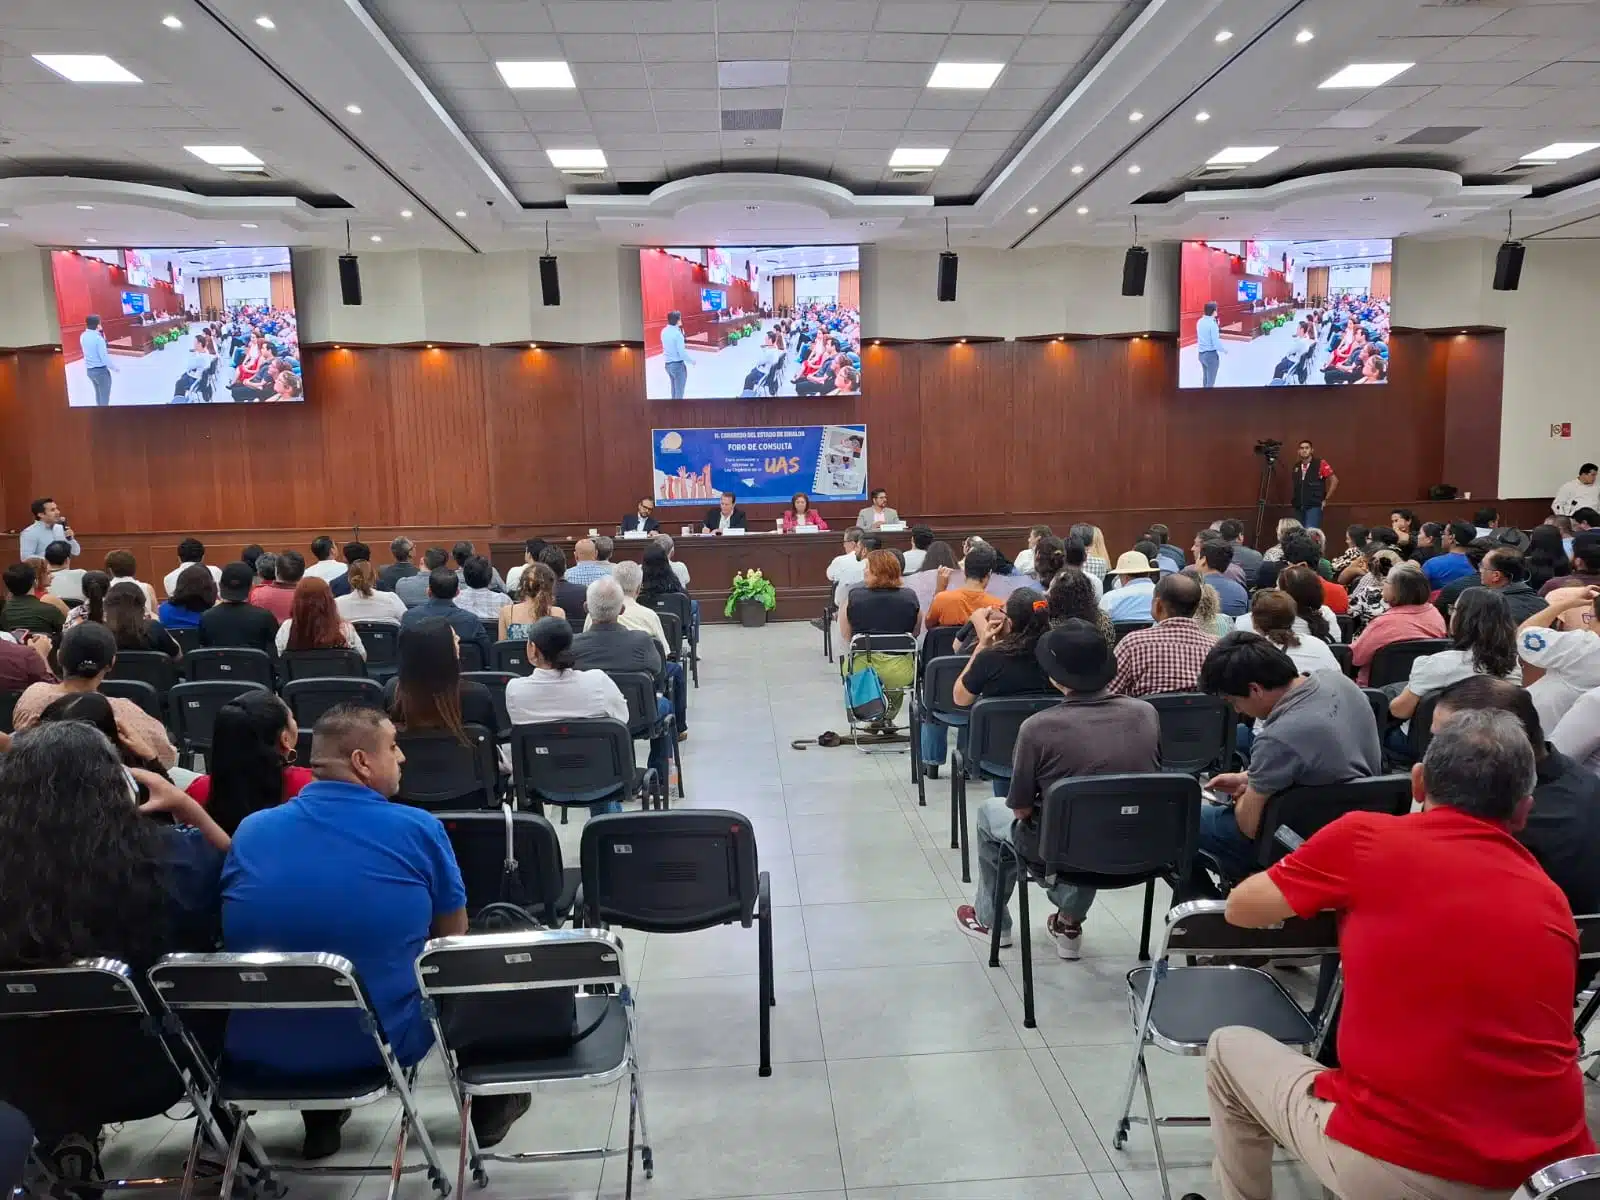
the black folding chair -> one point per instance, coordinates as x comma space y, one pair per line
233, 664
512, 858
567, 763
645, 722
991, 737
138, 691
1378, 701
472, 657
1179, 1007
830, 614
479, 990
8, 708
1197, 731
933, 702
1588, 962
1294, 814
1569, 1179
322, 664
491, 628
194, 708
936, 643
382, 640
441, 773
1106, 831
496, 682
233, 983
1345, 657
1392, 663
1122, 629
146, 666
308, 699
1418, 733
678, 604
672, 630
187, 639
1347, 628
511, 657
679, 872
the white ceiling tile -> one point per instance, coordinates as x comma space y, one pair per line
836, 15
644, 142
649, 174
515, 160
980, 48
1541, 50
801, 96
507, 16
1075, 17
679, 47
999, 119
986, 140
941, 98
536, 47
815, 118
681, 74
590, 16
538, 101
424, 16
610, 75
886, 97
1064, 51
841, 73
998, 16
1007, 97
600, 47
682, 141
691, 160
696, 120
679, 99
762, 140
651, 19
1517, 97
732, 47
511, 140
938, 120
599, 100
468, 76
869, 139
1566, 20
1476, 49
899, 75
607, 124
445, 47
497, 122
826, 46
905, 47
1440, 21
498, 99
807, 139
917, 16
546, 123
879, 118
742, 16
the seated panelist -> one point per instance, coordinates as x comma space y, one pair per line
642, 519
878, 513
724, 517
799, 514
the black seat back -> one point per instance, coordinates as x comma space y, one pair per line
188, 639
491, 627
472, 657
1200, 927
1378, 702
147, 666
322, 664
1120, 828
1392, 664
1296, 813
479, 840
672, 630
1196, 731
259, 980
442, 773
511, 657
936, 643
638, 688
677, 604
8, 707
308, 699
138, 691
992, 731
496, 682
1345, 657
1420, 731
194, 707
669, 872
382, 640
234, 664
1123, 628
938, 687
572, 762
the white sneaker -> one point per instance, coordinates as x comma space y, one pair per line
1069, 945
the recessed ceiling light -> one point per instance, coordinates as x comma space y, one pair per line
1365, 75
1304, 36
5, 224
552, 73
171, 22
1133, 169
914, 157
973, 76
266, 22
1223, 35
1033, 210
461, 213
377, 237
1557, 151
85, 208
1136, 116
533, 345
87, 68
353, 109
1083, 210
406, 213
1202, 116
1233, 156
1077, 168
92, 241
248, 225
225, 156
577, 160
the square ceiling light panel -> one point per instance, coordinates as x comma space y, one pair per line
87, 68
971, 76
1239, 156
1365, 75
1559, 151
918, 158
545, 74
225, 156
577, 160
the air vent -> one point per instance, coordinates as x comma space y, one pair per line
585, 172
910, 172
1519, 168
744, 120
1209, 172
1437, 135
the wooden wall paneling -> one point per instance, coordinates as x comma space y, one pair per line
534, 420
442, 470
890, 406
1474, 368
617, 420
966, 427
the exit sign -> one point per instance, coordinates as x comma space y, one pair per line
1562, 431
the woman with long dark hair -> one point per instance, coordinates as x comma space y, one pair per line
96, 584
314, 622
924, 581
1304, 586
1050, 554
429, 693
124, 614
1004, 662
194, 593
1547, 558
658, 578
251, 758
1484, 642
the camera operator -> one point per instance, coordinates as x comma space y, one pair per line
1314, 484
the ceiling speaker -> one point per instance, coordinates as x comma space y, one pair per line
1134, 264
549, 281
349, 279
1508, 266
947, 275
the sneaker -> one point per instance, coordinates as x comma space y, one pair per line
323, 1139
967, 918
683, 735
1068, 938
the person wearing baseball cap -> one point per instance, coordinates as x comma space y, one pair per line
234, 621
1136, 587
1092, 732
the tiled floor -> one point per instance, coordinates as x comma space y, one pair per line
901, 1066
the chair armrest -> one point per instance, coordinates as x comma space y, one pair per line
763, 893
1287, 838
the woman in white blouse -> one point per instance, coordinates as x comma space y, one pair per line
314, 622
364, 602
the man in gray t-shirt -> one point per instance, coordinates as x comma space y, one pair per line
1315, 729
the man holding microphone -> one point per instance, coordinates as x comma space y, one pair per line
48, 526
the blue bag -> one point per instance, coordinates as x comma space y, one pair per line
864, 693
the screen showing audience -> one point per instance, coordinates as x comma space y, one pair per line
143, 327
1284, 314
727, 322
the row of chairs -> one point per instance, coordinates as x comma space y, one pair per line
681, 872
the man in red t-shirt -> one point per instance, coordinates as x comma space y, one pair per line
1458, 1073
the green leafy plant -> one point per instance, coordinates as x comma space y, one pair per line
751, 585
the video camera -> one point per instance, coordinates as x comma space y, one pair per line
1269, 448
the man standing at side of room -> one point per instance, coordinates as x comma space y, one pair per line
1582, 492
1208, 344
674, 355
47, 527
1314, 484
96, 360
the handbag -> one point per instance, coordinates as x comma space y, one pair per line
864, 693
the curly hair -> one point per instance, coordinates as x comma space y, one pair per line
1072, 595
537, 587
1029, 614
1481, 623
83, 868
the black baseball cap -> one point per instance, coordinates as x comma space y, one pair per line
235, 582
1076, 655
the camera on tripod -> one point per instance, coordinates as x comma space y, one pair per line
1269, 449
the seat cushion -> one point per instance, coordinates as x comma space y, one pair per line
1191, 1003
245, 1082
603, 1050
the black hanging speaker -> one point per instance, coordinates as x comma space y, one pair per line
549, 281
1508, 266
349, 279
1134, 264
947, 275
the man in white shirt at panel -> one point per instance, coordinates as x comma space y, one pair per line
96, 360
1582, 492
674, 356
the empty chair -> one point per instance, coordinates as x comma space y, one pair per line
1569, 1179
441, 773
235, 664
506, 1016
566, 763
511, 657
677, 604
682, 871
187, 639
496, 682
512, 858
1197, 731
196, 983
194, 708
646, 722
146, 666
991, 736
138, 691
382, 640
321, 664
308, 699
1392, 664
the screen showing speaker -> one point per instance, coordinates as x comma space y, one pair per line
148, 326
728, 322
1284, 314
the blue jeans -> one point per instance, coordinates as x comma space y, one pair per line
661, 747
1221, 838
694, 617
678, 694
1311, 518
994, 827
678, 373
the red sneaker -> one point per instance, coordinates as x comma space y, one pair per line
967, 918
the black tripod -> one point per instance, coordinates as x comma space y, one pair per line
1269, 464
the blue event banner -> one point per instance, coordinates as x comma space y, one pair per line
759, 466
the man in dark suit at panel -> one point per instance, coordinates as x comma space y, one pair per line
643, 518
724, 517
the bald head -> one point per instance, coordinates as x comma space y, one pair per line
1178, 595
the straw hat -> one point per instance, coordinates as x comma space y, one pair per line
1133, 563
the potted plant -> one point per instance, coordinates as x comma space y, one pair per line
752, 596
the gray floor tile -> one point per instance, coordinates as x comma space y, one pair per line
937, 1009
725, 950
714, 1022
886, 933
1049, 1187
825, 833
857, 873
1081, 1003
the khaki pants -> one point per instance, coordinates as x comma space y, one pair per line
1260, 1094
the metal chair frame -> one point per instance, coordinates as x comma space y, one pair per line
876, 643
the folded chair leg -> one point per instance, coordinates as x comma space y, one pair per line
1024, 943
466, 1133
230, 1163
409, 1120
646, 1155
633, 1120
1144, 927
1120, 1138
961, 819
997, 902
186, 1189
955, 833
1155, 1130
397, 1167
666, 784
765, 988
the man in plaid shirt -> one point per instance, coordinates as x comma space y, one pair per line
1166, 657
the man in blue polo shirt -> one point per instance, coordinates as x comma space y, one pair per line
1453, 563
341, 869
